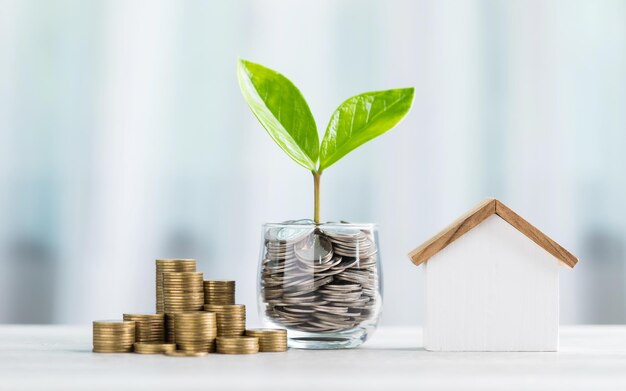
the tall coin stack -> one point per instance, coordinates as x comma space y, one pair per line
182, 292
231, 319
195, 331
219, 292
148, 327
237, 345
113, 336
270, 340
168, 266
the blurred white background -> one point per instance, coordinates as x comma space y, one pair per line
124, 138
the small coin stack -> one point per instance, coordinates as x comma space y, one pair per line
195, 331
320, 280
270, 340
237, 345
148, 327
231, 319
219, 292
182, 292
113, 336
154, 348
168, 266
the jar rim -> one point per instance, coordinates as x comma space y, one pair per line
329, 224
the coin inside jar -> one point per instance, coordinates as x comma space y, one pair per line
324, 282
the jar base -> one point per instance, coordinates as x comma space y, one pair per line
340, 340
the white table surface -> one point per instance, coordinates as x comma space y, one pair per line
60, 357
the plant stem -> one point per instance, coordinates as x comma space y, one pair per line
316, 196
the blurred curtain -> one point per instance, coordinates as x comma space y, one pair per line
123, 138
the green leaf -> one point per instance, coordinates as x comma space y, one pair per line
281, 109
362, 118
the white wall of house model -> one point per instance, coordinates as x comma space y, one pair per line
492, 287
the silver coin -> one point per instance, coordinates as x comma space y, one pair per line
288, 234
315, 248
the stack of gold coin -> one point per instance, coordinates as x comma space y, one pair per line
219, 292
237, 345
148, 327
170, 327
231, 319
182, 292
195, 331
113, 336
270, 340
154, 348
168, 266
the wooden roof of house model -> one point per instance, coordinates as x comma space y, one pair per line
476, 216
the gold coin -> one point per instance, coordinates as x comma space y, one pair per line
113, 323
181, 335
109, 338
182, 275
228, 315
153, 348
213, 296
114, 336
225, 351
194, 344
114, 333
195, 315
188, 296
179, 353
185, 300
167, 261
218, 289
239, 328
107, 334
144, 317
235, 344
238, 340
197, 339
195, 324
180, 293
225, 308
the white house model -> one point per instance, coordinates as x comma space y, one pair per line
492, 284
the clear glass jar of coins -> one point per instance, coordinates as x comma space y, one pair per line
322, 282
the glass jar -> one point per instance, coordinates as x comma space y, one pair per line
321, 282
